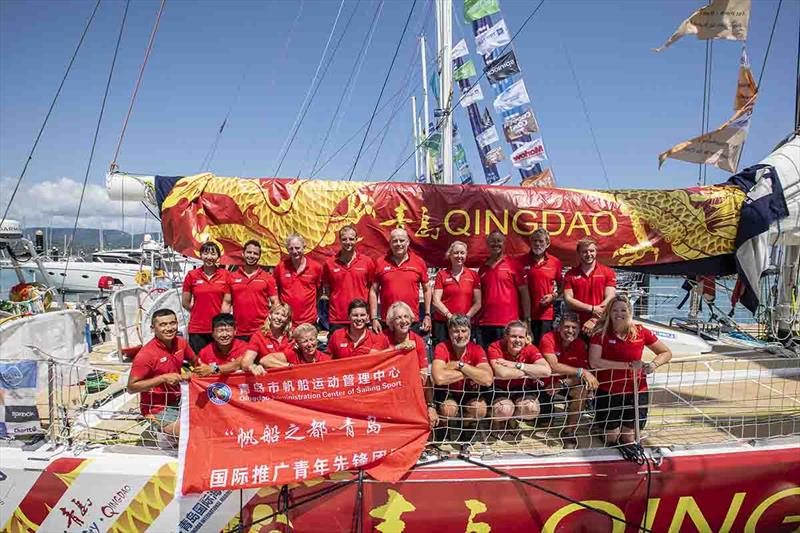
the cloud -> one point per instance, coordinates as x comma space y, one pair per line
55, 203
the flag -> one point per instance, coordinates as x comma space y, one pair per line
487, 137
528, 154
542, 179
18, 387
721, 19
519, 125
493, 38
472, 95
486, 119
460, 49
475, 9
431, 143
465, 71
502, 67
721, 147
746, 86
515, 95
495, 155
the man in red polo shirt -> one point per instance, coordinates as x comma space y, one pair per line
503, 291
346, 277
589, 286
303, 351
253, 292
224, 355
544, 280
569, 359
156, 373
299, 279
398, 278
357, 338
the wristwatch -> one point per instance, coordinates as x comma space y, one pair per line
518, 366
215, 368
460, 365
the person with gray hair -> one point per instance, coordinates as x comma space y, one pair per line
544, 279
299, 281
399, 276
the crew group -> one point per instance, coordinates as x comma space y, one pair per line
496, 346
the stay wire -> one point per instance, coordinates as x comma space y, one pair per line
704, 108
309, 96
383, 88
49, 111
769, 44
466, 90
503, 473
94, 140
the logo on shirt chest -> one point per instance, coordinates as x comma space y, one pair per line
343, 345
163, 359
199, 282
387, 268
612, 341
337, 270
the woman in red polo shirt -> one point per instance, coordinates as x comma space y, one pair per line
616, 350
304, 350
274, 336
456, 291
357, 338
206, 294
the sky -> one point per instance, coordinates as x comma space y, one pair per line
254, 62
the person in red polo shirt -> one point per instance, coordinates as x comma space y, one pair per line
589, 286
567, 356
459, 369
346, 277
398, 278
517, 366
357, 338
253, 292
206, 293
616, 351
224, 355
456, 291
299, 280
303, 351
156, 373
543, 274
503, 291
274, 336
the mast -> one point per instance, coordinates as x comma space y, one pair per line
416, 137
423, 132
444, 17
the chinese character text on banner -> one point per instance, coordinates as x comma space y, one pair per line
305, 422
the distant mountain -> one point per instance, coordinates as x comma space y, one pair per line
88, 239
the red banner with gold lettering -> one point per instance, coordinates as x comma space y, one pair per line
304, 422
632, 227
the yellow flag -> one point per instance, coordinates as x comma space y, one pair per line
721, 19
543, 179
745, 86
721, 147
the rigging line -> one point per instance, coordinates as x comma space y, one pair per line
457, 102
212, 150
707, 124
319, 84
94, 141
586, 114
296, 126
383, 88
703, 110
49, 112
351, 80
769, 44
138, 84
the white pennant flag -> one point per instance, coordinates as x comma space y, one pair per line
473, 95
515, 95
493, 38
527, 155
460, 49
487, 137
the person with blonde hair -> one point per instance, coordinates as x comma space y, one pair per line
456, 291
589, 286
303, 351
299, 281
274, 336
616, 352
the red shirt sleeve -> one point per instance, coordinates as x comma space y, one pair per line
272, 287
438, 281
424, 271
257, 345
291, 356
495, 351
559, 272
142, 366
568, 281
441, 353
478, 356
318, 273
531, 354
206, 355
519, 273
380, 342
547, 344
188, 353
648, 336
187, 283
611, 278
422, 357
596, 340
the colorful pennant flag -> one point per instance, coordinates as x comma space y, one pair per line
473, 95
493, 38
721, 19
746, 87
515, 95
467, 70
502, 67
460, 49
476, 9
528, 154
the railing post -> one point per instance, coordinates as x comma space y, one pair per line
51, 400
636, 431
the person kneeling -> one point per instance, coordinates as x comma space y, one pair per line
225, 353
304, 351
459, 369
517, 366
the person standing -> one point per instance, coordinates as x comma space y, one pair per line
253, 292
589, 286
456, 291
503, 291
543, 275
299, 280
206, 293
398, 278
346, 277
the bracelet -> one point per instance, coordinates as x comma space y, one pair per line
579, 373
592, 309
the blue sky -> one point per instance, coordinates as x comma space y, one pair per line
210, 57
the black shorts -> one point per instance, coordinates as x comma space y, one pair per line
439, 331
198, 341
333, 327
539, 328
488, 334
462, 398
613, 410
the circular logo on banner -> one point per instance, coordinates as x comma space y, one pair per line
219, 393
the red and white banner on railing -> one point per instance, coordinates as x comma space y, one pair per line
304, 422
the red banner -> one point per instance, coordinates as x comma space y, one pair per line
632, 227
304, 422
